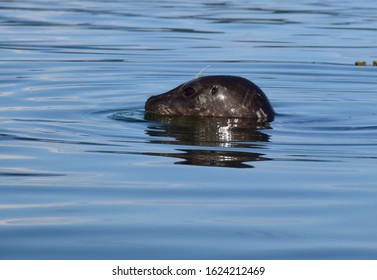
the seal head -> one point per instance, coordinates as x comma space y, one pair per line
213, 96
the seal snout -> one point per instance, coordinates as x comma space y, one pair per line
159, 105
151, 104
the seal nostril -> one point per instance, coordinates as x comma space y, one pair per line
188, 92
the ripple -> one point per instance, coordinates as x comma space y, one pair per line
128, 115
44, 221
27, 172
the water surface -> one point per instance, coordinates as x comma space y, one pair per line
83, 175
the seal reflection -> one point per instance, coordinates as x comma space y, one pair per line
222, 142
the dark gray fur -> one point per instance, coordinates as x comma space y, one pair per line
213, 96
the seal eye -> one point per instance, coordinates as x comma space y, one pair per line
214, 90
188, 92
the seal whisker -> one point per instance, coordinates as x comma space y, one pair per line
201, 71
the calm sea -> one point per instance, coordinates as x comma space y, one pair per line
83, 175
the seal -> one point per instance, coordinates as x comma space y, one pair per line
213, 96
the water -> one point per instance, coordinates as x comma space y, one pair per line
84, 176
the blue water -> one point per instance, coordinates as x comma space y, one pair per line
84, 176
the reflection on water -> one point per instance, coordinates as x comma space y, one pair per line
213, 157
224, 133
223, 142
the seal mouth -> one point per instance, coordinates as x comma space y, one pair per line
162, 109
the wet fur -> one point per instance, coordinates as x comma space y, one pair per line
213, 96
